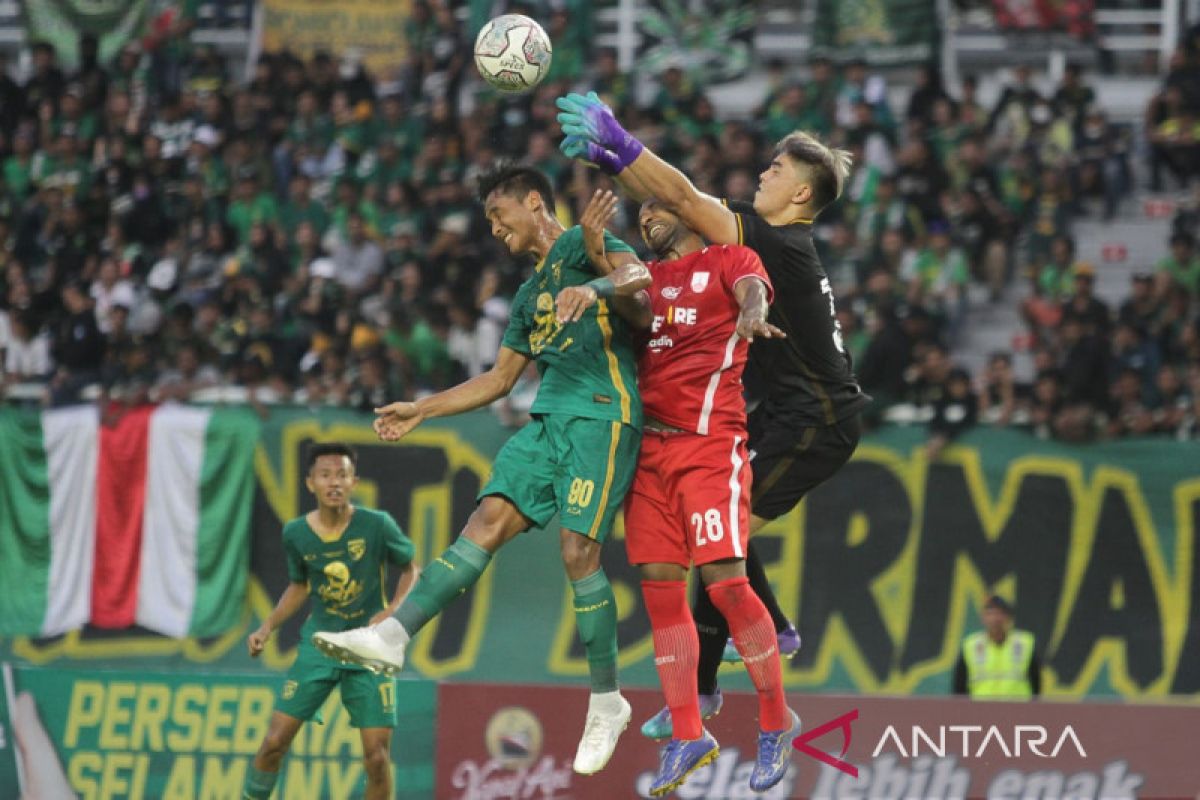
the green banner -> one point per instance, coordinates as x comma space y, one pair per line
60, 22
178, 735
884, 568
883, 32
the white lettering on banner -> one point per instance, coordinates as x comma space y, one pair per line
1032, 736
726, 777
886, 778
493, 781
891, 778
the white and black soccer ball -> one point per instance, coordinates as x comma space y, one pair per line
512, 53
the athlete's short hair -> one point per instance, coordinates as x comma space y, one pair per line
331, 449
830, 167
515, 180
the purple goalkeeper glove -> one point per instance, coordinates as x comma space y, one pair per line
588, 118
590, 153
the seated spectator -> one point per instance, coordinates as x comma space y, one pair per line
927, 378
1132, 350
1171, 400
1175, 141
189, 374
1047, 402
953, 414
1141, 309
1181, 268
358, 260
1127, 411
938, 277
1002, 400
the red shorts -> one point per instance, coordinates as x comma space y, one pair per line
690, 500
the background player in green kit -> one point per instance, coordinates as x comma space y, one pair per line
576, 457
338, 555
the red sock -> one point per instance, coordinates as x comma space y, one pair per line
676, 653
754, 636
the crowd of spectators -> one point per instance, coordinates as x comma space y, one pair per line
310, 235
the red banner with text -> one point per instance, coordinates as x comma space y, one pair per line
499, 741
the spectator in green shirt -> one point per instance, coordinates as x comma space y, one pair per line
792, 111
1180, 268
937, 279
251, 205
300, 207
18, 168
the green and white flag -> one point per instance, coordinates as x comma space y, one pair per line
882, 32
61, 22
144, 521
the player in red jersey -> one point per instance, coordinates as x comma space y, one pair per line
690, 498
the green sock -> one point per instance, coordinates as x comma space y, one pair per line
259, 784
448, 576
596, 616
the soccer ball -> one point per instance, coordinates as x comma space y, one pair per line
512, 53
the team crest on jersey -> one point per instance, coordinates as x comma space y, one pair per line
357, 548
699, 281
672, 292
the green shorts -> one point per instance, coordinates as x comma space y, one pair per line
577, 467
369, 699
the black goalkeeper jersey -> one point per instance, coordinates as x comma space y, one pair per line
807, 377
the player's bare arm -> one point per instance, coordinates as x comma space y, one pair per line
701, 212
593, 134
396, 420
408, 576
291, 601
624, 278
751, 294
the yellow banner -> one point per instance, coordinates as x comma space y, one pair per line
372, 28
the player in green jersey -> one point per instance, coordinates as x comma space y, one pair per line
337, 555
576, 457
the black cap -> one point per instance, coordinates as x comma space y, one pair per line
999, 603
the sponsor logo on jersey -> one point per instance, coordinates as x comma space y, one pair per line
699, 281
660, 343
672, 292
674, 316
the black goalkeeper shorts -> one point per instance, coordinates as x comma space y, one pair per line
788, 461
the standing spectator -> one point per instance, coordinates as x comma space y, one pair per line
1083, 304
1073, 97
27, 350
78, 345
47, 82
